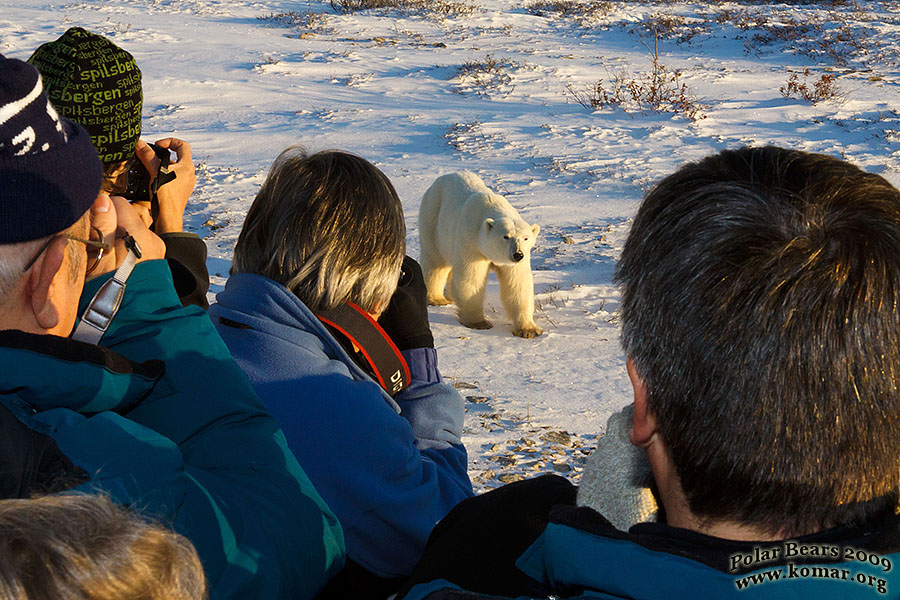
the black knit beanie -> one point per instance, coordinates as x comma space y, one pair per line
49, 171
96, 84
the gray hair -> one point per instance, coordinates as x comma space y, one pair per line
759, 304
13, 258
84, 547
327, 226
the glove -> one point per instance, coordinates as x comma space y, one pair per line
617, 477
406, 317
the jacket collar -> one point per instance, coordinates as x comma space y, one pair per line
268, 307
265, 305
578, 545
48, 371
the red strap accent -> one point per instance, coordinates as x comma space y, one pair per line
406, 373
375, 344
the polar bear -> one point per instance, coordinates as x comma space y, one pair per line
466, 231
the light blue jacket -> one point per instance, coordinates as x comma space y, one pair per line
390, 470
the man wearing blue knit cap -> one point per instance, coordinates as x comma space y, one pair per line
117, 406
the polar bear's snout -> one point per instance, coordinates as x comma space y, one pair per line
516, 250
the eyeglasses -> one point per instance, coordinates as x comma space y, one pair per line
95, 249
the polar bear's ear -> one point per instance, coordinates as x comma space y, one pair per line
535, 229
490, 223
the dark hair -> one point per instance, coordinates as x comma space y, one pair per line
329, 227
760, 306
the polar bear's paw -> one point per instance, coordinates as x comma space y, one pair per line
483, 324
438, 301
528, 331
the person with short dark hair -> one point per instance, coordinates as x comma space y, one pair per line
97, 84
319, 260
85, 547
128, 392
759, 321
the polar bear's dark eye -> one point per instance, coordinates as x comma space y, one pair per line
505, 237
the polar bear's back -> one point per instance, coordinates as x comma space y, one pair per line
445, 201
461, 184
443, 207
448, 194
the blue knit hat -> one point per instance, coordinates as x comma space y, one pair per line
49, 171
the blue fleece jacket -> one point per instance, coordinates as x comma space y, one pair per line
389, 469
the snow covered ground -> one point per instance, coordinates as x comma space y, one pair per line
499, 88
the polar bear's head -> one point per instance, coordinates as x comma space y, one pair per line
507, 241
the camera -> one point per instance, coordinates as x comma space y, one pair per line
138, 186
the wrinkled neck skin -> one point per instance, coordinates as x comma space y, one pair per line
13, 315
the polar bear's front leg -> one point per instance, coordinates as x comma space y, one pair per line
517, 294
467, 290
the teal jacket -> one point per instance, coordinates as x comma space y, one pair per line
163, 420
528, 540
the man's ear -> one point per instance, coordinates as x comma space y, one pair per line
643, 426
40, 284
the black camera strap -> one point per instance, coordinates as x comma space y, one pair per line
380, 352
164, 175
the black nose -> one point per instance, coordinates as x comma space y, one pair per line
517, 256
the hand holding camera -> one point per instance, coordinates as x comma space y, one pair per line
165, 184
114, 217
406, 317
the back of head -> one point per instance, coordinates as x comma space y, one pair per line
82, 547
327, 226
760, 297
96, 84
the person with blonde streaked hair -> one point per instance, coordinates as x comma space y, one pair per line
329, 321
85, 547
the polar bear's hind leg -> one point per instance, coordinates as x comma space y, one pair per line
436, 283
